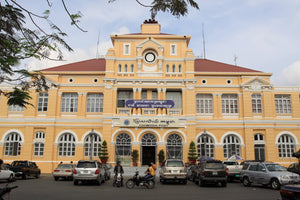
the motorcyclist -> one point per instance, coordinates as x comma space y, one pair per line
119, 169
149, 173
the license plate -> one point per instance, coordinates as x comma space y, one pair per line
215, 173
237, 175
175, 171
85, 172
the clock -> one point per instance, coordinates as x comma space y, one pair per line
150, 57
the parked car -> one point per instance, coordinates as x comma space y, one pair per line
24, 168
91, 170
173, 170
212, 171
64, 171
233, 169
7, 174
290, 192
294, 167
267, 173
6, 166
107, 171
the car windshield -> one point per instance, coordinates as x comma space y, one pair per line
275, 167
68, 166
19, 163
214, 166
86, 165
175, 164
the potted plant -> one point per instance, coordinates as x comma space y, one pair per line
161, 156
103, 153
192, 155
135, 157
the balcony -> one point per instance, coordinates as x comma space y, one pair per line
149, 111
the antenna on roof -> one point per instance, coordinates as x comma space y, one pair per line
235, 58
97, 53
203, 40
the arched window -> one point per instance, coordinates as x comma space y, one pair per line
66, 145
119, 68
231, 146
123, 148
286, 146
167, 68
173, 68
125, 68
179, 69
148, 140
174, 147
96, 144
12, 144
131, 68
205, 146
39, 143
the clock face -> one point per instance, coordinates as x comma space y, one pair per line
150, 57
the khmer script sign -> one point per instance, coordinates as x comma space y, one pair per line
149, 122
131, 103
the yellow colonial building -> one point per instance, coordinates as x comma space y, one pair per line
151, 93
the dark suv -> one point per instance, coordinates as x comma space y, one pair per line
213, 171
24, 168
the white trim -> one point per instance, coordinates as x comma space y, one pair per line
63, 132
124, 49
175, 49
175, 131
210, 134
125, 130
12, 131
235, 134
149, 131
87, 133
286, 133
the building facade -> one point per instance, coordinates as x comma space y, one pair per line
151, 93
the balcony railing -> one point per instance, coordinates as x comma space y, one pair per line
149, 111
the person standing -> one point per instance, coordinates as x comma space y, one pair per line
119, 169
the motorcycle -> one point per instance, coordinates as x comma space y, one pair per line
5, 190
137, 180
117, 180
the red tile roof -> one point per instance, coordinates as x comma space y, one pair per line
86, 66
204, 65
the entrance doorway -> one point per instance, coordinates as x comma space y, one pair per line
148, 153
259, 150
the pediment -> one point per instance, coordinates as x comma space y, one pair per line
256, 84
149, 43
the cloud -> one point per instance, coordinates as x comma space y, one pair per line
289, 75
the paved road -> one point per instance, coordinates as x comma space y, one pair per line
45, 188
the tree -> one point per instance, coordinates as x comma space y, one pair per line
192, 155
103, 153
18, 42
161, 156
135, 157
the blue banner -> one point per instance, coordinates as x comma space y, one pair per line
131, 103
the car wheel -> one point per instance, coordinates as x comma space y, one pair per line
10, 178
56, 178
75, 182
150, 185
37, 175
130, 184
275, 185
246, 182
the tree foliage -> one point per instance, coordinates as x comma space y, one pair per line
18, 42
192, 155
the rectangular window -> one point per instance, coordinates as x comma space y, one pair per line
38, 149
154, 95
204, 103
283, 103
144, 94
176, 96
94, 103
43, 102
230, 103
69, 102
126, 49
124, 95
256, 103
15, 108
173, 49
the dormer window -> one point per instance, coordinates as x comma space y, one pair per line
173, 49
126, 49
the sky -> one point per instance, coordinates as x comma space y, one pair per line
263, 35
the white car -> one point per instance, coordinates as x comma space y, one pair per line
6, 174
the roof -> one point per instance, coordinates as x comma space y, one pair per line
86, 66
204, 65
148, 34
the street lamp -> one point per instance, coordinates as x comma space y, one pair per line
204, 135
92, 137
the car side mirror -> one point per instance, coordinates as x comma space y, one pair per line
264, 170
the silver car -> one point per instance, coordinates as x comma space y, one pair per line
88, 171
173, 170
64, 171
267, 173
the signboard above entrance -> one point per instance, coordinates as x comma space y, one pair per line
149, 122
131, 103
